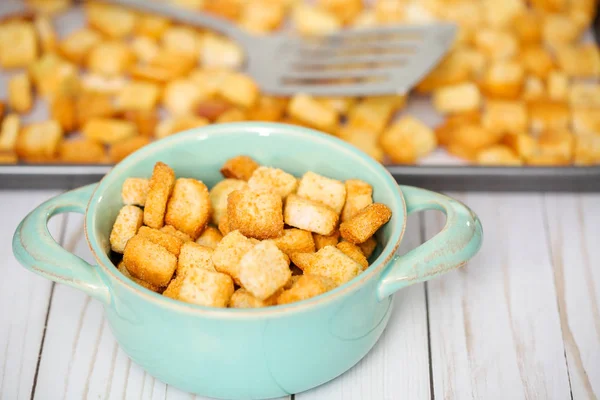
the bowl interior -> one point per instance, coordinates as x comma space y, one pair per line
199, 153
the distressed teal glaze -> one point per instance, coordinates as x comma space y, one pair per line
252, 353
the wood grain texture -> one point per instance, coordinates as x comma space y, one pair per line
574, 229
495, 326
24, 298
398, 365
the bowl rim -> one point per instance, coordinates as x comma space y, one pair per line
263, 129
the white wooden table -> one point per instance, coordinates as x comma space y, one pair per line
521, 321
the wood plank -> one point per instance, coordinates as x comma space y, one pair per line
574, 229
398, 365
495, 327
81, 358
24, 298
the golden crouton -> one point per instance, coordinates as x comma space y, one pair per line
309, 20
264, 270
302, 260
559, 29
134, 191
344, 10
243, 299
256, 214
586, 121
181, 96
128, 221
202, 287
81, 151
354, 252
19, 93
274, 180
9, 131
89, 106
587, 149
310, 111
262, 16
118, 151
359, 194
332, 263
452, 69
160, 189
149, 261
39, 140
326, 240
389, 11
533, 89
239, 167
372, 114
77, 45
144, 49
123, 269
557, 143
218, 196
584, 95
368, 247
496, 44
558, 86
457, 98
108, 130
192, 256
536, 61
189, 207
295, 240
305, 287
223, 224
228, 253
171, 230
407, 140
498, 155
363, 140
110, 58
503, 79
51, 75
522, 144
178, 124
182, 40
141, 96
212, 109
62, 109
49, 7
210, 237
8, 158
152, 26
111, 20
364, 224
323, 190
220, 52
501, 14
169, 242
93, 83
231, 115
18, 44
582, 61
528, 26
239, 89
309, 215
544, 115
145, 121
502, 116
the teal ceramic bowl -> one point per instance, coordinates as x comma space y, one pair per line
248, 353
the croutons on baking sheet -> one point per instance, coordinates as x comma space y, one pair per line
188, 208
309, 215
111, 20
240, 167
108, 130
305, 287
81, 151
160, 188
323, 190
218, 196
9, 131
39, 140
170, 242
264, 270
202, 287
141, 96
462, 97
364, 224
193, 255
295, 240
273, 179
149, 261
76, 46
332, 263
127, 224
20, 98
18, 44
407, 140
210, 237
256, 214
505, 116
120, 150
229, 251
359, 194
111, 58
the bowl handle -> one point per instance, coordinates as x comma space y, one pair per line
451, 248
37, 250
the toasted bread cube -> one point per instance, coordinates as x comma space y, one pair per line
123, 269
309, 215
451, 70
19, 93
8, 158
262, 16
96, 84
141, 96
152, 26
323, 190
364, 224
586, 121
110, 58
504, 79
469, 138
212, 109
218, 196
344, 10
584, 95
295, 240
127, 224
536, 61
144, 49
501, 13
256, 214
274, 180
202, 287
160, 71
528, 26
223, 225
171, 126
496, 44
558, 86
9, 132
407, 140
170, 242
51, 75
533, 89
587, 149
62, 109
522, 144
120, 150
90, 106
326, 240
232, 115
309, 20
77, 45
183, 40
371, 114
181, 96
359, 194
192, 256
171, 230
239, 167
189, 207
111, 20
264, 270
149, 261
502, 116
210, 237
498, 155
210, 79
160, 188
310, 111
243, 299
364, 140
332, 263
545, 115
45, 33
302, 260
18, 44
558, 143
239, 90
228, 253
305, 287
39, 140
108, 130
354, 252
445, 131
220, 52
559, 29
81, 151
145, 121
368, 247
457, 98
581, 61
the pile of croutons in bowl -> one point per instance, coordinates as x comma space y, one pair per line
260, 237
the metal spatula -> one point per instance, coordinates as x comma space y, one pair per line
361, 62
